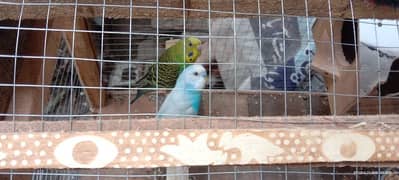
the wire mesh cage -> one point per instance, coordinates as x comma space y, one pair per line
205, 89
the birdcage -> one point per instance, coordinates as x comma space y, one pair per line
293, 89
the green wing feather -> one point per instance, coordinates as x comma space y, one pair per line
167, 71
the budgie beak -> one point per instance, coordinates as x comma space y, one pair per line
206, 81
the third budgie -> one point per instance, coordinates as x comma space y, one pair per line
168, 73
185, 98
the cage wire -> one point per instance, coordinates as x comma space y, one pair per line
247, 55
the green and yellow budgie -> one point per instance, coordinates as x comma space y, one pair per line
168, 73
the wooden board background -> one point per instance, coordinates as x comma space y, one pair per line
34, 9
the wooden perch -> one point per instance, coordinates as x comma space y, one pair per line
339, 75
117, 147
88, 71
145, 9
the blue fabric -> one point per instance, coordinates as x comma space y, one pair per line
296, 69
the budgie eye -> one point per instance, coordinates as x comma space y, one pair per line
195, 73
190, 54
190, 44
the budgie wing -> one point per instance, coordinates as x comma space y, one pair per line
175, 105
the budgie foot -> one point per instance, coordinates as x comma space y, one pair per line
138, 95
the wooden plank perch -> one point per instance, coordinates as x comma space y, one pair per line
170, 147
329, 60
145, 9
88, 71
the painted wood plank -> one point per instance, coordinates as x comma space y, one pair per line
188, 147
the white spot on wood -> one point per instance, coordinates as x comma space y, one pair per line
37, 143
124, 158
22, 144
126, 134
128, 151
139, 149
281, 134
148, 158
135, 158
13, 162
44, 135
114, 134
15, 136
286, 141
2, 155
297, 141
278, 141
165, 133
29, 153
42, 153
17, 153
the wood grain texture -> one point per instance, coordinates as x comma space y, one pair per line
368, 122
88, 71
28, 72
195, 147
339, 75
53, 42
6, 65
144, 8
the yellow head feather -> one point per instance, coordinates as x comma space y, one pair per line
192, 51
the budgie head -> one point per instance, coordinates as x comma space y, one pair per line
192, 49
193, 77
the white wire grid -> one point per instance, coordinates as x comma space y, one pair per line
236, 172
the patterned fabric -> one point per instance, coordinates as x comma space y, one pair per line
294, 74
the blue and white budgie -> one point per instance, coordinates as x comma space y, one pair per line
185, 98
